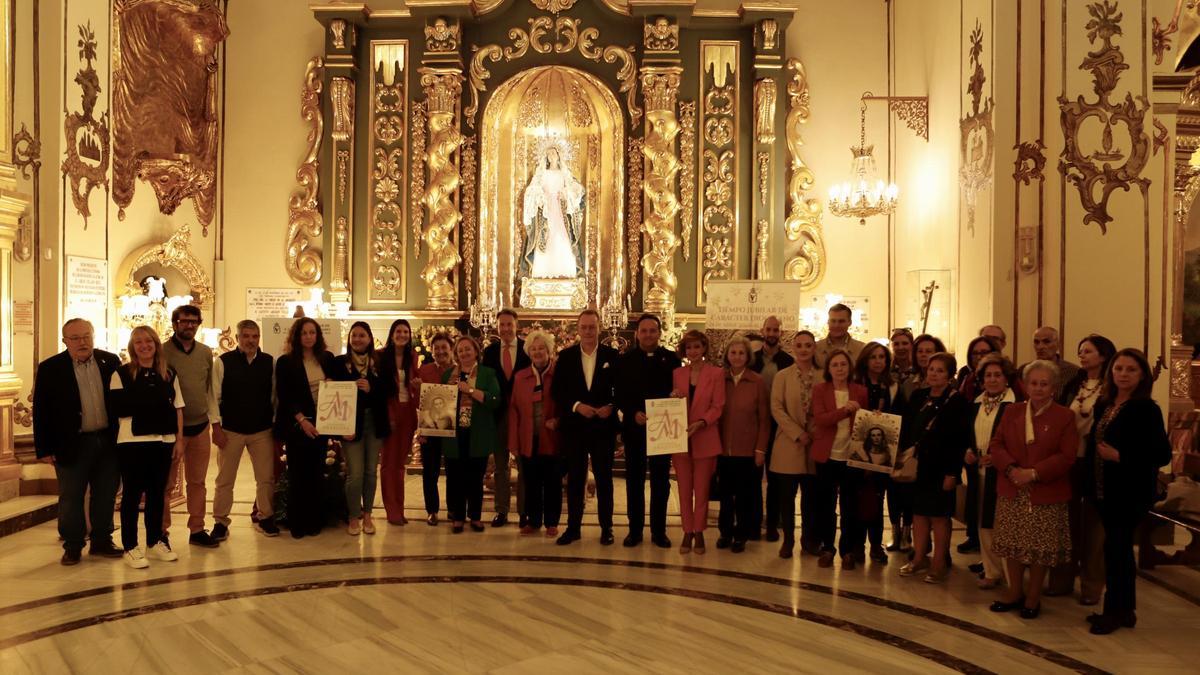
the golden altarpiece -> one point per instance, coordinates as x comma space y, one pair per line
551, 155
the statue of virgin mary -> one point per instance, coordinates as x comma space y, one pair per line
553, 220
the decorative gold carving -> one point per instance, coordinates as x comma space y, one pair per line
341, 97
469, 223
343, 158
386, 203
86, 164
1181, 378
660, 85
554, 6
417, 175
1160, 135
976, 135
636, 164
339, 284
442, 87
23, 240
717, 234
337, 30
165, 107
1027, 256
341, 94
764, 110
762, 265
1108, 169
1031, 160
687, 173
302, 261
442, 35
661, 35
175, 253
769, 29
912, 110
1160, 35
23, 412
26, 152
568, 36
803, 223
764, 177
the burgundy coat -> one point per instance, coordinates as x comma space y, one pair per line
1055, 443
827, 414
746, 420
520, 414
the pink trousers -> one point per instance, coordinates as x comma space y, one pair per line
694, 477
393, 457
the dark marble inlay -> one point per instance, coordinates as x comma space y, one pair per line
1170, 588
876, 635
1005, 639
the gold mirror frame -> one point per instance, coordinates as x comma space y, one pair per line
175, 253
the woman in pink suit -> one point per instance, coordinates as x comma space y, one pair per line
835, 402
398, 360
703, 385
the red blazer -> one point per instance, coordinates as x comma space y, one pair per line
1055, 442
746, 420
826, 416
706, 405
520, 414
431, 373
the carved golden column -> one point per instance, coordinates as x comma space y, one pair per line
442, 82
768, 66
12, 206
341, 72
803, 223
661, 73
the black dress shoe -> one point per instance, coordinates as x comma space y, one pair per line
297, 533
457, 528
105, 549
220, 532
477, 526
1031, 612
631, 540
72, 556
202, 538
1104, 624
569, 536
1127, 621
969, 546
737, 547
523, 520
661, 540
1001, 606
976, 568
772, 535
723, 542
606, 538
785, 549
500, 520
432, 520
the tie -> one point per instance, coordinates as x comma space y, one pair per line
506, 361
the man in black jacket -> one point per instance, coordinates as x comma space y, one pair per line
73, 430
767, 362
506, 356
583, 396
644, 372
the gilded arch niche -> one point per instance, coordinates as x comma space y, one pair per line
573, 112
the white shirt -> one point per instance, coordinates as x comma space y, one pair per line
125, 428
985, 422
841, 440
1083, 412
588, 361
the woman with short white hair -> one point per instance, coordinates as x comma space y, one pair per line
533, 435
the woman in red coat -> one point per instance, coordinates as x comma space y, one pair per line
835, 402
533, 435
703, 385
745, 434
1033, 451
398, 362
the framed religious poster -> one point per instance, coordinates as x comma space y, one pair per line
874, 440
337, 408
435, 416
666, 426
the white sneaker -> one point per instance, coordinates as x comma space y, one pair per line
161, 551
136, 559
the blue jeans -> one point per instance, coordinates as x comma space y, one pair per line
362, 465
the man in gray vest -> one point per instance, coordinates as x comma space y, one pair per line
243, 389
193, 364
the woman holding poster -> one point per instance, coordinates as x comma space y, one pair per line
884, 395
835, 403
703, 385
299, 372
371, 425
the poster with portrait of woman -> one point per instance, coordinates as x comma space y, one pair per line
435, 416
873, 441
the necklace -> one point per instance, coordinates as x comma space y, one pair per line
990, 403
1086, 393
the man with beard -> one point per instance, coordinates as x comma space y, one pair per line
767, 362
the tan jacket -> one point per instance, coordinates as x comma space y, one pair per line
791, 406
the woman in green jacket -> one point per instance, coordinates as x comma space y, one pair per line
475, 437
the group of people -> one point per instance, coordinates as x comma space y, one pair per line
1060, 459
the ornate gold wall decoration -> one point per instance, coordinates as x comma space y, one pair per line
302, 261
554, 6
660, 86
386, 201
1027, 256
912, 110
635, 228
343, 159
1160, 135
568, 36
442, 87
469, 223
661, 35
764, 177
165, 112
337, 31
1111, 167
341, 97
976, 135
687, 173
764, 110
762, 238
1031, 160
26, 152
769, 28
718, 230
87, 137
175, 253
442, 35
417, 175
803, 223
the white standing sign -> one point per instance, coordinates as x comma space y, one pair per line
337, 408
744, 305
666, 426
87, 290
275, 330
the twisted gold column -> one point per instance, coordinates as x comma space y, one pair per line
443, 88
660, 86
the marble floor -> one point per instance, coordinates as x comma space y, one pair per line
421, 599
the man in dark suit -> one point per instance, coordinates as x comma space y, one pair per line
767, 362
645, 371
506, 356
583, 395
73, 430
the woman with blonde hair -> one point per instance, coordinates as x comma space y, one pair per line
533, 435
703, 385
145, 398
745, 433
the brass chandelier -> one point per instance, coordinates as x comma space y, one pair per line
864, 195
